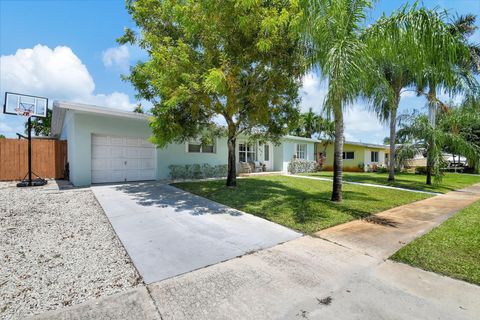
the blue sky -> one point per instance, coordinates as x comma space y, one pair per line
67, 50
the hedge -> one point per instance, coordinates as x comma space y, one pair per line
300, 166
197, 171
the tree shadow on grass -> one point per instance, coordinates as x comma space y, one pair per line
268, 198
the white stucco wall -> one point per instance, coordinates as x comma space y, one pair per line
78, 128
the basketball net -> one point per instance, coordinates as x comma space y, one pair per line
23, 112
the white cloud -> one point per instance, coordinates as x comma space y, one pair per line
408, 94
313, 92
55, 73
117, 56
362, 125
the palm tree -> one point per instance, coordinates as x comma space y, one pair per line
415, 46
332, 33
435, 139
444, 64
387, 43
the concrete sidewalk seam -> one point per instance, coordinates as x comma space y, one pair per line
154, 302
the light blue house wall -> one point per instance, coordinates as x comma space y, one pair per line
290, 149
79, 126
79, 139
176, 154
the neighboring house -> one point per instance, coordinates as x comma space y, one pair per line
108, 145
357, 156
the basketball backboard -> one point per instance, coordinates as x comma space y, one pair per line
25, 105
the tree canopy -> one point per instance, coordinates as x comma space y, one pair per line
237, 63
41, 126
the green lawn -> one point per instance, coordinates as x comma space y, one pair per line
452, 249
301, 204
451, 181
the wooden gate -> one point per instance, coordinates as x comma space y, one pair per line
49, 158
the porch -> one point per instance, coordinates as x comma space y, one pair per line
254, 157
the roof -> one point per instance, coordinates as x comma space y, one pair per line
367, 145
301, 138
60, 108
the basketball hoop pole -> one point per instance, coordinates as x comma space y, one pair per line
29, 151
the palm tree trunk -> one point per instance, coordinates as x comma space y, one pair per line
338, 154
232, 168
432, 114
393, 137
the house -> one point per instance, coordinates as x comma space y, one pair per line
357, 156
108, 145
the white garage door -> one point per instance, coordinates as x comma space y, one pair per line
119, 159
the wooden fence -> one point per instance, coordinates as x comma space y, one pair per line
49, 158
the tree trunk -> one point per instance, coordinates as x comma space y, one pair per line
338, 155
432, 114
232, 168
393, 137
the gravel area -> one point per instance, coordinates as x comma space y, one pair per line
57, 249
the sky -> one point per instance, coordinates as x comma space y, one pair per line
66, 50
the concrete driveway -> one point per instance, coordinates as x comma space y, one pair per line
167, 231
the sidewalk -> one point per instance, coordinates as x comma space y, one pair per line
384, 233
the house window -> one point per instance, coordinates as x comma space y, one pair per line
266, 153
349, 155
197, 147
374, 156
246, 153
301, 151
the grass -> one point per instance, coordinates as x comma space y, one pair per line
451, 249
451, 181
300, 204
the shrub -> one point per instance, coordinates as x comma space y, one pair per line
382, 170
421, 170
197, 171
361, 166
300, 166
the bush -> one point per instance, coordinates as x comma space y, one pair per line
421, 170
382, 170
361, 166
300, 166
197, 171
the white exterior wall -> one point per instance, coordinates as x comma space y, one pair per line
78, 128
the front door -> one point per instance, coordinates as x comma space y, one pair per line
267, 156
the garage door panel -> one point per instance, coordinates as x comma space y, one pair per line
100, 151
117, 175
146, 153
146, 143
116, 152
132, 141
132, 152
117, 140
100, 176
97, 139
132, 164
118, 159
117, 164
147, 174
100, 164
146, 164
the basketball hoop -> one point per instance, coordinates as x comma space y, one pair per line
22, 112
27, 106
